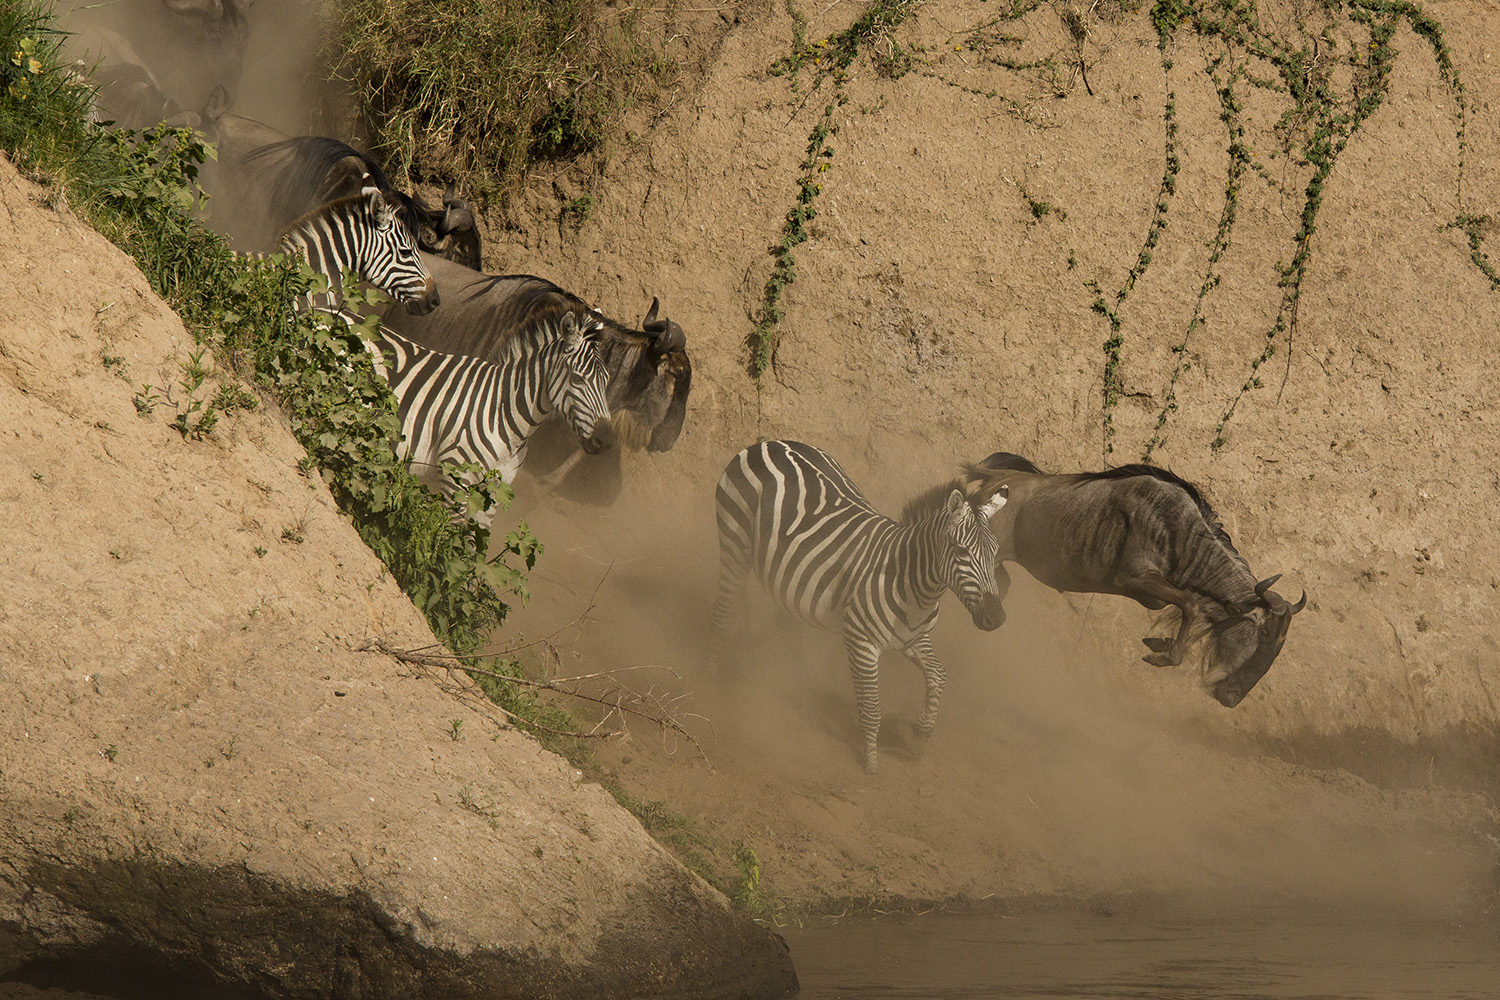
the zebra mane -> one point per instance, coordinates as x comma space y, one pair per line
537, 301
354, 201
929, 501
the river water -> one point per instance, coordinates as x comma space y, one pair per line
1266, 954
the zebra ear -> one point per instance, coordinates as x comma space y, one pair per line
956, 504
569, 327
380, 205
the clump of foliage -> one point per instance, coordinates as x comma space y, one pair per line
482, 89
138, 190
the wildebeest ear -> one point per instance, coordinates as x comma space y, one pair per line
997, 500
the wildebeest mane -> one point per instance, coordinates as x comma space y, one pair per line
1210, 518
302, 184
1005, 460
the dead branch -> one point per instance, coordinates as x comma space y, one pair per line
659, 708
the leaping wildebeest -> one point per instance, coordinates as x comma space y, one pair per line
787, 512
650, 374
1141, 532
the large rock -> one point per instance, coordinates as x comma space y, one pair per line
203, 782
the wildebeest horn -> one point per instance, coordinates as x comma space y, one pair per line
1265, 585
651, 320
1300, 604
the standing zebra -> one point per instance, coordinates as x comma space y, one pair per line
787, 510
459, 409
362, 233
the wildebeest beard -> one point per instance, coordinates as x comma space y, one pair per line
1241, 648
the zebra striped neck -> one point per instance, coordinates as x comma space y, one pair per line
923, 553
324, 255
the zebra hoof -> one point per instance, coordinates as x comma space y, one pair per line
1157, 645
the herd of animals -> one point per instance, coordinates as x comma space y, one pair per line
481, 364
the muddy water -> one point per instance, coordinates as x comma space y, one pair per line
1268, 954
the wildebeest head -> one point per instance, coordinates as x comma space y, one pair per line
581, 396
973, 568
454, 228
1246, 641
652, 377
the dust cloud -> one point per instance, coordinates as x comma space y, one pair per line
264, 54
1062, 766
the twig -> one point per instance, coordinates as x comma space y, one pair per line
658, 714
582, 616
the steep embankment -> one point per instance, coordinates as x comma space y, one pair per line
994, 245
204, 782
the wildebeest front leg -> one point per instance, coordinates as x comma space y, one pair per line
864, 660
1154, 587
920, 652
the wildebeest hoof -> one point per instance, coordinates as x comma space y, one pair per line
1159, 660
1157, 645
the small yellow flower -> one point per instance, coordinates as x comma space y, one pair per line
35, 66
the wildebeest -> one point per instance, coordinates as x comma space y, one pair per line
160, 60
1144, 533
264, 179
650, 374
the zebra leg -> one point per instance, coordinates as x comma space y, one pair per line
864, 662
729, 608
920, 652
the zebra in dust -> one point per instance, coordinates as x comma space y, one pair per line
458, 409
789, 512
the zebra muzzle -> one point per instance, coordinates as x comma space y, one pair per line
425, 303
602, 439
989, 613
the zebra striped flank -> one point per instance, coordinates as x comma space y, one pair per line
461, 409
788, 512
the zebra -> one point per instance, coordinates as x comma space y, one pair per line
362, 233
788, 511
455, 408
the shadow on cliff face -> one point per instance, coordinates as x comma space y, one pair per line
1057, 767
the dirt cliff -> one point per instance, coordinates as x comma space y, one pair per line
206, 785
